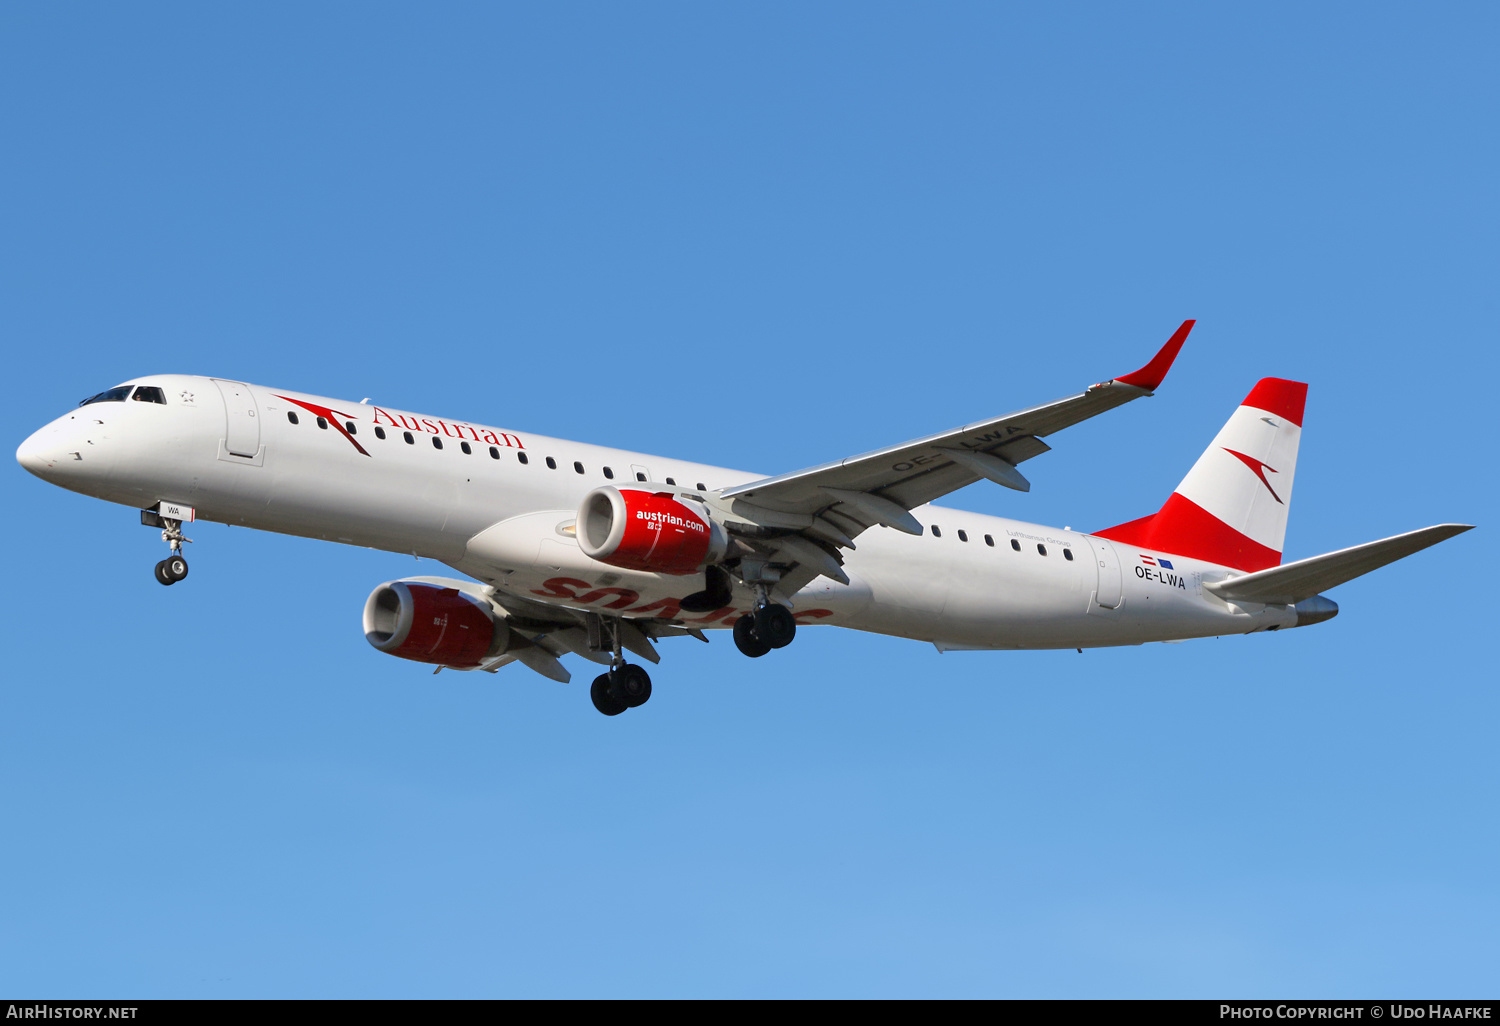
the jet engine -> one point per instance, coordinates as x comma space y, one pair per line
659, 532
430, 621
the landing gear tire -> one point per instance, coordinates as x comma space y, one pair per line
775, 625
605, 702
630, 684
162, 576
176, 567
746, 638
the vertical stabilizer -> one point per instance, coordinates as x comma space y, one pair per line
1231, 508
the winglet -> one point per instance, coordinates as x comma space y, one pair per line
1152, 375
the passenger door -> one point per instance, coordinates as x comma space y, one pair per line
241, 420
1108, 594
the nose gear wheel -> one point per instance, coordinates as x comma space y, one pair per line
171, 570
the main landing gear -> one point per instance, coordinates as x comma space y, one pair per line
625, 686
770, 626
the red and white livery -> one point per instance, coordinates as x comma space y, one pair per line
576, 549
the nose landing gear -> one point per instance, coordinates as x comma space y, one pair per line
174, 568
171, 570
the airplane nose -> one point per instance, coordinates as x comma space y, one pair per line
31, 453
46, 452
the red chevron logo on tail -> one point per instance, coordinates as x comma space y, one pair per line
1260, 470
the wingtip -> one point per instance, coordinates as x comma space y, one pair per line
1154, 373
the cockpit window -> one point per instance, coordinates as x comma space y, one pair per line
118, 394
113, 395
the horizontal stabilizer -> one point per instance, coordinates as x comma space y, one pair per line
1305, 578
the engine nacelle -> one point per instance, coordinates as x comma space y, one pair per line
654, 531
431, 623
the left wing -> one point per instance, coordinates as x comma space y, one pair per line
834, 503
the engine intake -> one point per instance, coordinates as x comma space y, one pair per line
430, 623
657, 532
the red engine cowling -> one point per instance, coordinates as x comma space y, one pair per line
433, 624
654, 531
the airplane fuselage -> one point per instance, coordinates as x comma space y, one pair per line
499, 506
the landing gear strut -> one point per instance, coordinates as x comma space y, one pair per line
625, 686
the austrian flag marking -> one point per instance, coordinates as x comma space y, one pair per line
1149, 561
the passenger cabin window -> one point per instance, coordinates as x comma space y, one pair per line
323, 423
150, 394
113, 395
639, 476
290, 416
578, 466
437, 443
671, 482
409, 439
963, 535
379, 432
523, 457
989, 541
494, 453
935, 532
1015, 545
349, 427
1041, 550
551, 463
609, 473
1068, 555
702, 487
465, 447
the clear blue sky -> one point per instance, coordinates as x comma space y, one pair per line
764, 236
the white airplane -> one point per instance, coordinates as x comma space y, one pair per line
596, 551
